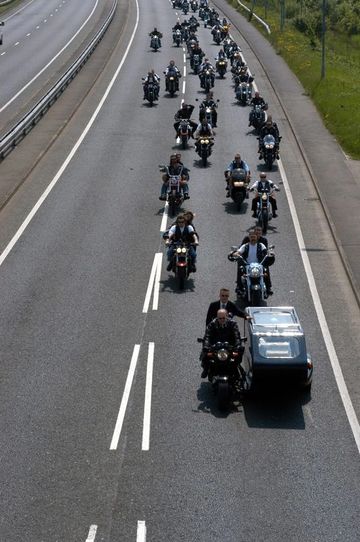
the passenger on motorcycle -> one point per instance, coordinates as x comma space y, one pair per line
184, 113
156, 32
237, 163
173, 169
221, 329
180, 231
269, 127
172, 69
152, 77
209, 102
264, 185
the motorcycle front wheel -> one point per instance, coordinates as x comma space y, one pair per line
181, 274
223, 395
255, 298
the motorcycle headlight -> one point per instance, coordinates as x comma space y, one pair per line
178, 250
254, 272
222, 355
183, 250
206, 141
202, 141
171, 79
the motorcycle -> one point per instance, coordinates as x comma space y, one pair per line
177, 37
174, 193
268, 149
225, 371
238, 186
217, 36
263, 210
206, 19
257, 116
251, 285
195, 62
194, 5
243, 93
155, 43
181, 263
185, 133
185, 7
151, 92
207, 80
203, 149
172, 84
221, 66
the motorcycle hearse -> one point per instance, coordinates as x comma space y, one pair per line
276, 356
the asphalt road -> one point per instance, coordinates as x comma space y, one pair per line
73, 291
41, 38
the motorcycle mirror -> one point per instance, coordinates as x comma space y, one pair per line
200, 340
234, 248
271, 247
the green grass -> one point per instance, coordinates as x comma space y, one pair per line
337, 96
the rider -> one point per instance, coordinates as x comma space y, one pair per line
209, 102
237, 163
269, 127
256, 100
184, 113
253, 252
181, 231
156, 32
206, 65
203, 130
264, 185
172, 69
177, 26
196, 50
221, 329
175, 168
152, 77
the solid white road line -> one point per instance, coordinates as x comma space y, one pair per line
157, 283
163, 225
334, 360
154, 280
70, 156
92, 533
141, 532
125, 398
51, 61
147, 403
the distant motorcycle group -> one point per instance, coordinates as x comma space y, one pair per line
253, 278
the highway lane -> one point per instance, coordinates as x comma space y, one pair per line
73, 292
41, 39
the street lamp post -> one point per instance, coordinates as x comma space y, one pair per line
323, 30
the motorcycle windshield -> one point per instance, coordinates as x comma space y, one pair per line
269, 140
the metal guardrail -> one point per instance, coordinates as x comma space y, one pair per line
30, 119
255, 16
